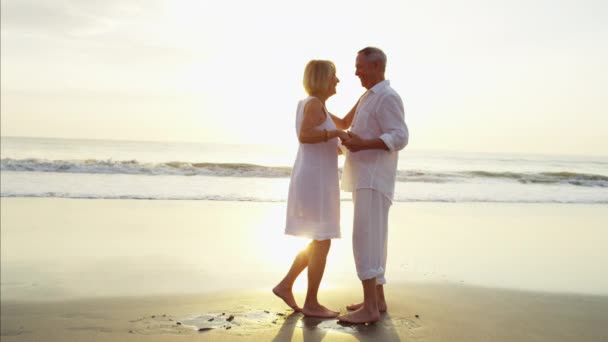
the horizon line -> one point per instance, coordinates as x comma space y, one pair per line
210, 142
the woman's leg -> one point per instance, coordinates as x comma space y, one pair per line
316, 268
284, 289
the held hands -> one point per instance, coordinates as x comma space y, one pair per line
343, 135
352, 142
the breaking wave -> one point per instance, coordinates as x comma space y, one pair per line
93, 166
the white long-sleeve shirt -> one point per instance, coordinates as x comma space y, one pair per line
380, 114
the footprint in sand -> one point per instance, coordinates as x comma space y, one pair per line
14, 332
91, 328
248, 321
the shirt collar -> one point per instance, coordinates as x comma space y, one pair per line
379, 86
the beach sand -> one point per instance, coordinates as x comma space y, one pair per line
421, 312
128, 270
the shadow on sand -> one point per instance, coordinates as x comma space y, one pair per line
316, 329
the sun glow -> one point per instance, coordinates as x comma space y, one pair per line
231, 71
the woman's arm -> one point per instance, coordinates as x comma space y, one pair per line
314, 115
347, 121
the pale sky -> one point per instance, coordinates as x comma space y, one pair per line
481, 76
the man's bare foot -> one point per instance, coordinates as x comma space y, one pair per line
319, 311
352, 307
287, 296
360, 316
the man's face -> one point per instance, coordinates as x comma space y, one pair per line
364, 70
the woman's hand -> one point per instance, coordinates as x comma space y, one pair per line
354, 143
342, 135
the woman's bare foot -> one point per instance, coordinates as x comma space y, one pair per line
287, 296
352, 307
360, 316
319, 311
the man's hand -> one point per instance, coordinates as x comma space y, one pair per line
354, 143
343, 135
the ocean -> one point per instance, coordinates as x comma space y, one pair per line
71, 168
105, 169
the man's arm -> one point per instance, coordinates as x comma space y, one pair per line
355, 143
391, 118
394, 135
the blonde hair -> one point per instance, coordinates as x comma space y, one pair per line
317, 75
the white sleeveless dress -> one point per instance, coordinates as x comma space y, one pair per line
313, 204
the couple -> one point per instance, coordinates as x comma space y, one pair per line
377, 132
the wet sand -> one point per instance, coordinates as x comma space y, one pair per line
124, 270
423, 312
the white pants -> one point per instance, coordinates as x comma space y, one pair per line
370, 231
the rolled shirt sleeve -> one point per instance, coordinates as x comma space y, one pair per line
379, 114
391, 118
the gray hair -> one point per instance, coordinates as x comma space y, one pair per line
374, 54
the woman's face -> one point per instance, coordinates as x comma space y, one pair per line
333, 82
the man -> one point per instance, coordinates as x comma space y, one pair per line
377, 134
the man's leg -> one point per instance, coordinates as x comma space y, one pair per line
368, 311
380, 298
369, 240
383, 206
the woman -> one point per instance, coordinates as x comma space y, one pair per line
313, 204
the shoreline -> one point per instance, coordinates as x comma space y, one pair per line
345, 200
300, 294
425, 312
